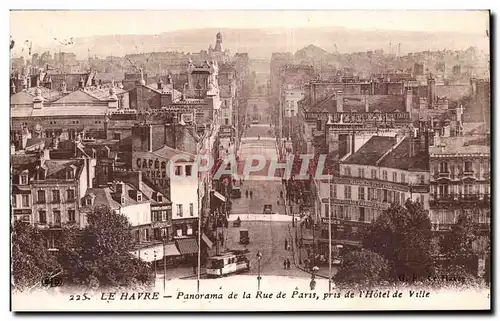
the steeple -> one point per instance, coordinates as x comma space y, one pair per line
218, 42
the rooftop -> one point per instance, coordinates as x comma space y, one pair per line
478, 144
400, 158
371, 151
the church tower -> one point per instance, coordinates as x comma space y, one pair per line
218, 42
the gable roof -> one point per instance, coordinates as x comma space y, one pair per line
78, 96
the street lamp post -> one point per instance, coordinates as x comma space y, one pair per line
259, 256
154, 262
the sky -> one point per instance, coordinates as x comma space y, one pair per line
43, 26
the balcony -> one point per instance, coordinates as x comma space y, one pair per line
56, 201
459, 199
70, 200
41, 201
443, 174
468, 173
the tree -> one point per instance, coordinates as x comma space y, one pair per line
403, 236
363, 268
100, 254
458, 245
31, 260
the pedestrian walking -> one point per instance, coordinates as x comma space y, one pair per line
278, 201
284, 264
251, 194
281, 194
286, 244
288, 264
246, 194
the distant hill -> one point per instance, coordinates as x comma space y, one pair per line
261, 43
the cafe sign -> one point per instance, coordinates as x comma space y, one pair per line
359, 203
370, 183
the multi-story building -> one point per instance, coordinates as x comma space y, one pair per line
382, 171
460, 180
55, 187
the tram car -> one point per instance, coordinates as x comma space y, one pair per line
227, 263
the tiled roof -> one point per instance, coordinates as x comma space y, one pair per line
400, 158
371, 151
55, 166
167, 89
149, 191
47, 94
20, 163
104, 196
169, 152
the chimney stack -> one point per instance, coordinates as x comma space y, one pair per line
160, 84
340, 101
38, 99
409, 100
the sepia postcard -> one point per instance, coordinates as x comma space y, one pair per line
250, 160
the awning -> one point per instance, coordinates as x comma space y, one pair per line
187, 246
171, 250
206, 240
219, 196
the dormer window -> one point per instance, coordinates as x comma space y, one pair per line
139, 197
24, 179
122, 200
159, 198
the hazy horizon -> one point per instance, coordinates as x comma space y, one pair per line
46, 29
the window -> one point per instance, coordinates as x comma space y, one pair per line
361, 172
394, 177
374, 174
70, 195
468, 166
386, 196
362, 214
56, 198
443, 167
361, 193
347, 192
24, 179
379, 194
14, 201
179, 210
178, 170
403, 198
42, 217
333, 191
422, 199
468, 189
117, 136
188, 170
139, 196
191, 209
156, 216
57, 217
159, 198
327, 210
26, 200
443, 190
71, 216
347, 171
384, 175
403, 178
371, 194
421, 179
